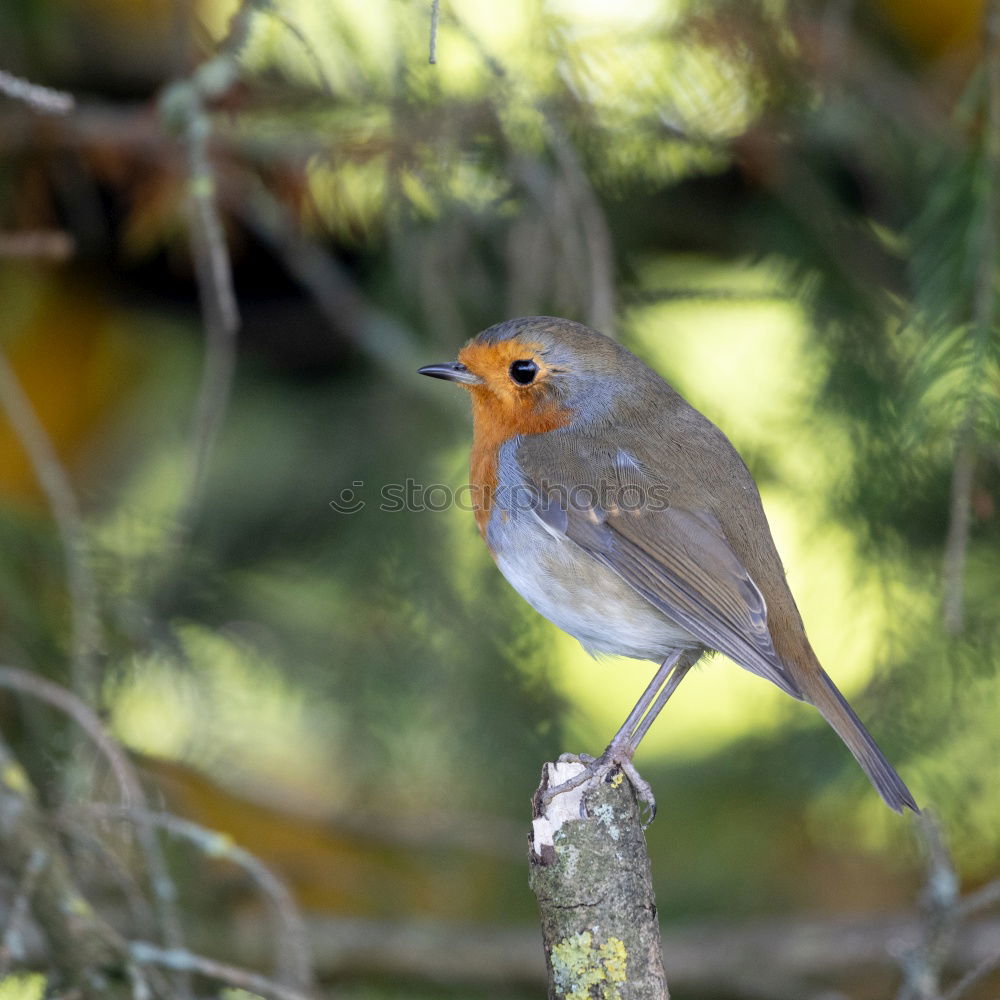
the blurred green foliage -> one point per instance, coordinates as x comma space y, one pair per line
786, 210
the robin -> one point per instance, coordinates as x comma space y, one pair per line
627, 519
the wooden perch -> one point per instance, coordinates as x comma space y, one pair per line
590, 872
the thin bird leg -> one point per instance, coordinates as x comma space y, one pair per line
621, 749
622, 746
681, 665
624, 735
619, 754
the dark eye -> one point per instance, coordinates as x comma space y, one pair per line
523, 372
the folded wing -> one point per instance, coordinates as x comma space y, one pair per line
679, 561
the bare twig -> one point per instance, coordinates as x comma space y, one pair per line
86, 719
10, 943
705, 958
132, 131
139, 912
213, 273
709, 958
238, 32
923, 961
435, 18
983, 321
734, 295
981, 899
164, 892
294, 964
37, 244
81, 946
52, 478
43, 99
184, 108
972, 977
140, 986
181, 960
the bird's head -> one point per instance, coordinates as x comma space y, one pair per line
540, 372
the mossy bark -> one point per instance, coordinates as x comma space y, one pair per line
590, 873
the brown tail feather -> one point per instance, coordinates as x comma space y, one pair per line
822, 692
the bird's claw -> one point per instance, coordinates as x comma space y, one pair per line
602, 768
643, 792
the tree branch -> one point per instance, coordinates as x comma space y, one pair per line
55, 484
294, 964
37, 244
590, 873
87, 953
181, 960
183, 107
42, 99
702, 958
435, 19
163, 890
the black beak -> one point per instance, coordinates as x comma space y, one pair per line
452, 371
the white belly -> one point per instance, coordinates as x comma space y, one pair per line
580, 595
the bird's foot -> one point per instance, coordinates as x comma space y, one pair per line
604, 768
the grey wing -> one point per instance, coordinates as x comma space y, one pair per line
681, 563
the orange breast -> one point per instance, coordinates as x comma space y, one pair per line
501, 411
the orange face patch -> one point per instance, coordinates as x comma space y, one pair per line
502, 409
